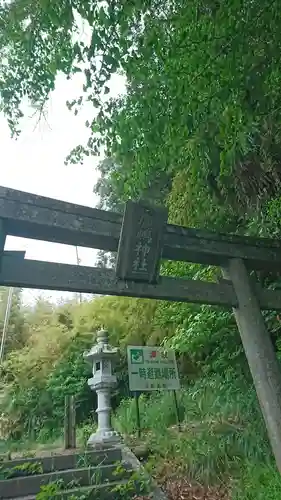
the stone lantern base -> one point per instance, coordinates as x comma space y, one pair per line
105, 435
104, 439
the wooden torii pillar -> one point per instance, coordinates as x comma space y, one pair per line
263, 362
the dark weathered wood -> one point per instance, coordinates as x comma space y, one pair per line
136, 397
65, 277
14, 254
73, 421
31, 216
268, 298
2, 240
177, 410
69, 422
25, 198
33, 221
67, 444
141, 243
172, 230
185, 244
2, 237
262, 359
11, 254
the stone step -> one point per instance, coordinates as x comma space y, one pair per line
87, 476
69, 460
103, 491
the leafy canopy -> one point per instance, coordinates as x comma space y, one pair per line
203, 86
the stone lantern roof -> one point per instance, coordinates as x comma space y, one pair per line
102, 349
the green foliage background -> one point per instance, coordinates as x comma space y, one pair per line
198, 130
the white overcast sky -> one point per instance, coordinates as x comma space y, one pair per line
35, 163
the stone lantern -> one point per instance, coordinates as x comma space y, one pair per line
102, 357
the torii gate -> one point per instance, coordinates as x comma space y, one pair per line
142, 238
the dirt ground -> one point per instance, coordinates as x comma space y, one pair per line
182, 489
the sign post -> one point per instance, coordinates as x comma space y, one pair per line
152, 369
136, 396
177, 410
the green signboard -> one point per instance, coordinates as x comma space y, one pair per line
152, 369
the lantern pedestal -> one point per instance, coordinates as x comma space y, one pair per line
105, 434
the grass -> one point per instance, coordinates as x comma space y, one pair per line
223, 438
258, 482
27, 448
45, 442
